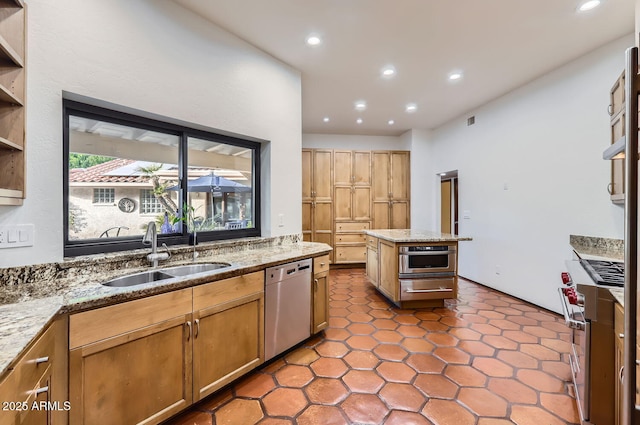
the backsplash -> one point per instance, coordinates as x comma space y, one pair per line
18, 283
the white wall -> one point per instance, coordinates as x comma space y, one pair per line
353, 142
154, 56
544, 143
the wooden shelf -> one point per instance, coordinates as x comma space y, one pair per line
8, 97
8, 144
11, 197
9, 52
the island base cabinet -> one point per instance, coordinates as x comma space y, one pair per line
135, 378
227, 343
320, 294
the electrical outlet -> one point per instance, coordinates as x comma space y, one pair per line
280, 220
3, 236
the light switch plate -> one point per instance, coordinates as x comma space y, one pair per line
17, 235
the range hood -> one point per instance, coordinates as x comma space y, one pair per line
616, 150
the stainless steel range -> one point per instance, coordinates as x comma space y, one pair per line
588, 310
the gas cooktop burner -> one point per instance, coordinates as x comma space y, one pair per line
606, 273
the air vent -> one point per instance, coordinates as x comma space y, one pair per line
471, 120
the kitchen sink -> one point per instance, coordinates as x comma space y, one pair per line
138, 278
164, 274
194, 268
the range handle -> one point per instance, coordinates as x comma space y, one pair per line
570, 321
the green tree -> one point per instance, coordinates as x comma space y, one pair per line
83, 160
159, 189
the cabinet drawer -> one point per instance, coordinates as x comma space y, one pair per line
351, 254
372, 242
26, 375
350, 238
426, 289
321, 264
95, 325
352, 226
222, 291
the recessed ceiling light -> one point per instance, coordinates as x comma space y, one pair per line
388, 71
325, 119
314, 40
588, 5
360, 105
391, 122
455, 75
359, 120
443, 174
411, 108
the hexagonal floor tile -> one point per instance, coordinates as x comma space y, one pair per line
533, 415
482, 402
395, 372
364, 409
321, 415
361, 360
518, 359
561, 405
465, 376
402, 397
452, 355
361, 342
398, 417
284, 402
386, 336
436, 386
239, 411
540, 381
411, 331
294, 376
443, 412
425, 363
329, 367
390, 352
361, 329
417, 345
331, 349
303, 356
255, 386
492, 367
326, 391
363, 381
476, 348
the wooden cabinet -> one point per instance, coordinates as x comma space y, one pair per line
320, 294
224, 311
352, 185
373, 270
12, 102
352, 168
350, 245
118, 353
391, 190
175, 343
619, 360
39, 378
317, 196
388, 263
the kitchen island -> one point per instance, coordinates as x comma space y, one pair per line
413, 268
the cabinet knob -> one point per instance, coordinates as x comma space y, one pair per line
322, 264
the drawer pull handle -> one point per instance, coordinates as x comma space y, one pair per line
41, 390
197, 322
188, 324
321, 264
621, 336
44, 359
418, 291
621, 375
315, 284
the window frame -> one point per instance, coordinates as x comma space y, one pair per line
144, 202
166, 125
101, 192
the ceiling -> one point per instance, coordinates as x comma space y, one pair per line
498, 44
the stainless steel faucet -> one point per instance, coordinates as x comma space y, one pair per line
151, 237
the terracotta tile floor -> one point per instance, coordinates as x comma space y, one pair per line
484, 359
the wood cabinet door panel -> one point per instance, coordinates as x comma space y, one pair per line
307, 208
227, 290
381, 216
362, 168
342, 167
372, 265
350, 238
380, 177
342, 203
109, 381
307, 171
323, 216
351, 254
388, 264
399, 215
399, 175
362, 203
322, 181
228, 343
320, 305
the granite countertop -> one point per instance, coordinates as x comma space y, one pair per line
414, 235
618, 294
21, 322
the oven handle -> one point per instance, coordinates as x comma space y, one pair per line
422, 291
427, 253
572, 323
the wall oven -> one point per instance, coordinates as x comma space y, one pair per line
427, 260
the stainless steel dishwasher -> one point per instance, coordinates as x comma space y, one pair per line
287, 306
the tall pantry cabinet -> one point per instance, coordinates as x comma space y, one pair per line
347, 191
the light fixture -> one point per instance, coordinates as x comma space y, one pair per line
359, 120
588, 5
388, 71
360, 105
455, 75
314, 40
391, 122
411, 108
326, 119
443, 174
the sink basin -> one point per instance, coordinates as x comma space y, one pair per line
163, 274
194, 268
138, 278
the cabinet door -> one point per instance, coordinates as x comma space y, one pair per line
372, 265
399, 175
388, 264
228, 342
342, 203
42, 397
320, 307
399, 215
322, 175
381, 173
139, 377
307, 220
381, 215
362, 168
361, 203
343, 167
307, 172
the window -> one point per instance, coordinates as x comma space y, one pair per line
183, 179
104, 196
149, 204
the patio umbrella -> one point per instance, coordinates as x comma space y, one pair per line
213, 184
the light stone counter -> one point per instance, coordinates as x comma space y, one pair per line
414, 235
22, 321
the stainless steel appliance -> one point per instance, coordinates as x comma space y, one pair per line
587, 305
427, 259
427, 272
287, 306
